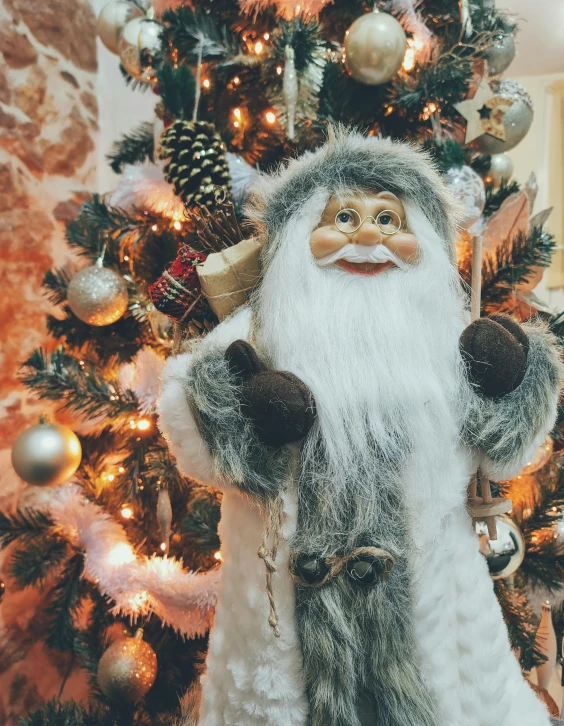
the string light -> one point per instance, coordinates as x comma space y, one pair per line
409, 60
206, 83
279, 70
143, 424
163, 546
429, 109
111, 477
258, 47
177, 225
236, 80
237, 113
154, 227
121, 470
218, 556
127, 512
266, 36
121, 554
270, 117
126, 258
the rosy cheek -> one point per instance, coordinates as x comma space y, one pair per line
405, 246
325, 240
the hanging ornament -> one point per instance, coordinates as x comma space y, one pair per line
164, 516
140, 48
196, 164
505, 554
127, 669
46, 454
545, 643
541, 457
501, 169
511, 117
375, 46
290, 90
501, 53
469, 189
112, 20
97, 295
178, 294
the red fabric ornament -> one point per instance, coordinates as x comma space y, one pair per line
177, 293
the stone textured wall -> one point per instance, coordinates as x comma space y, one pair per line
48, 134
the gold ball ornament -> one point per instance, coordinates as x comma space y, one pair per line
97, 295
505, 554
375, 46
46, 454
510, 112
127, 669
501, 169
112, 20
140, 48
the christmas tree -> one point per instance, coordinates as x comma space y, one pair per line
128, 542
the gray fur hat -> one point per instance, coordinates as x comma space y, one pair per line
351, 161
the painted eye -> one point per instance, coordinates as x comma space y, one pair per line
385, 219
344, 217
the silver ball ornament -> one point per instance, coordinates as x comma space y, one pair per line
97, 295
517, 119
140, 48
46, 454
501, 169
505, 554
375, 47
469, 189
501, 53
112, 20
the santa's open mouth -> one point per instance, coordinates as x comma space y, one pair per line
364, 268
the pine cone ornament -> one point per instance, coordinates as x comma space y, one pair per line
196, 165
177, 293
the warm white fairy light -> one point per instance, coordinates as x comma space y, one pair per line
218, 556
206, 83
154, 227
270, 117
279, 70
258, 47
143, 424
121, 554
121, 470
127, 512
177, 225
236, 80
163, 546
111, 477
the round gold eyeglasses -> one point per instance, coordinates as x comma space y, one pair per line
349, 220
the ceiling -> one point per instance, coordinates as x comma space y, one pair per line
540, 41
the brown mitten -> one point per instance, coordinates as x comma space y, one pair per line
495, 351
281, 406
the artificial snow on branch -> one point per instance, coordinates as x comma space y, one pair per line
139, 586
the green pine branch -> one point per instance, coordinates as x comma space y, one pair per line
66, 599
33, 561
496, 197
133, 148
23, 524
177, 87
195, 36
511, 264
56, 282
82, 389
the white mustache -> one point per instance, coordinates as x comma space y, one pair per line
362, 253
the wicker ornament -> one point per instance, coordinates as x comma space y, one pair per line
196, 164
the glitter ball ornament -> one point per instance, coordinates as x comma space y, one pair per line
127, 669
374, 48
112, 20
505, 554
511, 108
46, 454
501, 53
501, 169
469, 189
97, 295
140, 48
196, 164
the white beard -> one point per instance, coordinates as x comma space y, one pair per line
380, 355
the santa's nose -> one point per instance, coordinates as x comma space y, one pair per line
367, 234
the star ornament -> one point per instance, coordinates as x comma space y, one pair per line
484, 113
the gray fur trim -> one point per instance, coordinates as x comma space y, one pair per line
360, 653
351, 161
556, 722
506, 429
238, 456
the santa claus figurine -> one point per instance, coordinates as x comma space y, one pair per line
343, 413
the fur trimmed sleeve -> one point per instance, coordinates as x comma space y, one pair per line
201, 418
508, 430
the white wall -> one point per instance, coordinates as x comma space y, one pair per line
121, 108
